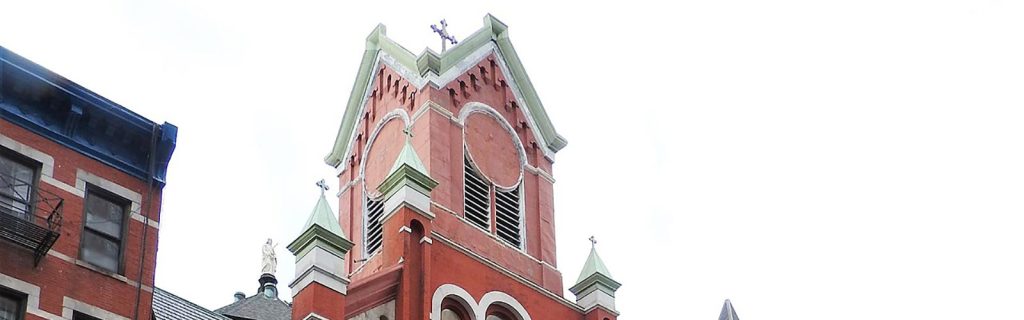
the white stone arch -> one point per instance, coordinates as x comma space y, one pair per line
455, 293
397, 113
504, 300
476, 310
477, 107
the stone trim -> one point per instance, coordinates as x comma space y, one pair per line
63, 186
540, 173
347, 186
314, 316
477, 310
321, 276
87, 265
72, 305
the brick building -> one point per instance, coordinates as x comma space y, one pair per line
446, 202
80, 188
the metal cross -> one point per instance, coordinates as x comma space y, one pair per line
593, 242
323, 186
443, 32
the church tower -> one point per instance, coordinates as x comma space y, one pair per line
445, 167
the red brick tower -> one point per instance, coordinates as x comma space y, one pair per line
444, 161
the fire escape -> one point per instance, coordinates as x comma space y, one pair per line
29, 217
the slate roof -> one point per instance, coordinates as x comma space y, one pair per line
258, 307
167, 306
728, 312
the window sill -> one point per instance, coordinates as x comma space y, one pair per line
94, 268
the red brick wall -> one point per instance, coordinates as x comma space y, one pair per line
57, 277
316, 298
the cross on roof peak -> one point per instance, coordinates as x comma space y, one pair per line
593, 242
443, 32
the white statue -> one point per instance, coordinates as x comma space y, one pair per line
269, 257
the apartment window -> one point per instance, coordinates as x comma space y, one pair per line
17, 179
82, 316
103, 230
12, 305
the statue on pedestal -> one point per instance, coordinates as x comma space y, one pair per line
269, 257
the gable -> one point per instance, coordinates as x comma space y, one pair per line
437, 70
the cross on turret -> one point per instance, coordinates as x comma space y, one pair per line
323, 186
593, 241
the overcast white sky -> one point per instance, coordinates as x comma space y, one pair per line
808, 160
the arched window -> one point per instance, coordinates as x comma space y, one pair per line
449, 314
453, 310
496, 312
494, 162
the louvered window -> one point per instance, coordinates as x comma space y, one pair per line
508, 218
478, 198
374, 229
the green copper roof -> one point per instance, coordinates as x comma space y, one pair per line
323, 217
595, 276
408, 157
322, 230
593, 265
408, 170
493, 32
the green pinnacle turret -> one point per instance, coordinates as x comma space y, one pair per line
592, 266
322, 230
595, 276
408, 170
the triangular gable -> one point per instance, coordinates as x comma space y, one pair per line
437, 70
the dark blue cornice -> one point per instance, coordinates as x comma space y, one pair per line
59, 109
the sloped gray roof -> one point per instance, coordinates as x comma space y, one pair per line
167, 306
258, 307
728, 312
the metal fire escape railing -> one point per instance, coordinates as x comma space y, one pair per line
29, 217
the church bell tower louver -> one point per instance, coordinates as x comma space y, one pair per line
445, 166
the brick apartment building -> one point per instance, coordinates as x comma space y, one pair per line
80, 188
